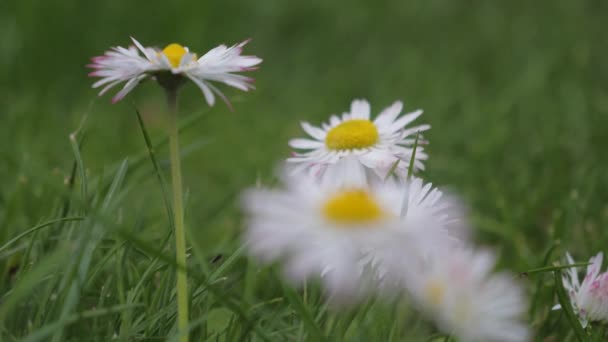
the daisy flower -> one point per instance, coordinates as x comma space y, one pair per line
171, 66
377, 144
589, 299
457, 290
333, 233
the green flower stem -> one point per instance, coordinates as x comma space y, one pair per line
178, 212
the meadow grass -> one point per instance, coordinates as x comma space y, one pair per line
515, 92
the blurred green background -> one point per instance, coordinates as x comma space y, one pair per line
516, 92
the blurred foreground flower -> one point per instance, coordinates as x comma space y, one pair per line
457, 290
589, 299
171, 66
349, 234
377, 144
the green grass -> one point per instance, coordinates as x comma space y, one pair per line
516, 93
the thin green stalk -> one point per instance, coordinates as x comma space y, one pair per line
178, 214
410, 169
553, 268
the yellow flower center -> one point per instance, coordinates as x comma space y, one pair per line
435, 292
174, 53
352, 207
352, 134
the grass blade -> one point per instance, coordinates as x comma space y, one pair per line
156, 165
553, 268
304, 313
44, 332
81, 170
38, 227
564, 301
410, 169
392, 170
31, 279
535, 300
235, 307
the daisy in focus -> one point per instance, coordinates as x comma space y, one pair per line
457, 290
377, 144
171, 66
589, 299
348, 235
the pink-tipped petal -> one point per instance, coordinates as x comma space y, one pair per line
222, 96
98, 59
245, 42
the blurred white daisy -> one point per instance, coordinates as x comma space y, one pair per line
457, 290
589, 299
335, 232
171, 65
376, 144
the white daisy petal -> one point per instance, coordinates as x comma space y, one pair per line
143, 50
573, 282
132, 83
314, 132
220, 94
413, 130
404, 120
380, 161
108, 87
209, 97
388, 115
595, 264
360, 109
334, 121
347, 172
304, 143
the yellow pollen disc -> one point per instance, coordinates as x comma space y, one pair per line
174, 53
352, 134
352, 207
435, 292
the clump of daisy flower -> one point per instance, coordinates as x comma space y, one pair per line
343, 219
350, 234
171, 66
377, 144
589, 299
456, 288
